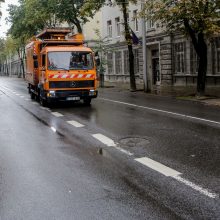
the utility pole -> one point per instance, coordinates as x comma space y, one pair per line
143, 28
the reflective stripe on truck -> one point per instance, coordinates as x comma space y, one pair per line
71, 76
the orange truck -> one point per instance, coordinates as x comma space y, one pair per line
60, 68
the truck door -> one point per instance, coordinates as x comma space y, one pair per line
43, 69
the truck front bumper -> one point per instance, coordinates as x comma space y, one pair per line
70, 95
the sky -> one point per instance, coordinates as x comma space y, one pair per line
3, 26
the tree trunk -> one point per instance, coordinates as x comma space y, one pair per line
202, 70
200, 47
130, 48
78, 26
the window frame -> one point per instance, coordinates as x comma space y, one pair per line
109, 28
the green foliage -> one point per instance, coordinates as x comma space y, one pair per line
198, 18
8, 47
201, 15
69, 11
0, 5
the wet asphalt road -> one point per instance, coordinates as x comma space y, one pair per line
68, 174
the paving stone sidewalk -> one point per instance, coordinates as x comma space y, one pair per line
212, 96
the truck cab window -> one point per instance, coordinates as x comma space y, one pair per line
73, 60
43, 60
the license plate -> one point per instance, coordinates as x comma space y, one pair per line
73, 98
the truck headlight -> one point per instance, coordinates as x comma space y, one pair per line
51, 93
92, 92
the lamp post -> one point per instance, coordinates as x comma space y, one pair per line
144, 49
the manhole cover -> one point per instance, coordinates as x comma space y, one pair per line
134, 141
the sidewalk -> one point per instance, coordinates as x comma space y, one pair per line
212, 96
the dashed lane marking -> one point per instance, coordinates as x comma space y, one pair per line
75, 124
105, 140
57, 114
45, 108
110, 143
158, 166
53, 129
163, 111
173, 174
123, 150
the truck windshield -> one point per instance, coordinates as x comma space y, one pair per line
74, 60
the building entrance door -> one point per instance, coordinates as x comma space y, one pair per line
155, 67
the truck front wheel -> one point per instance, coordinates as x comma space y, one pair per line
43, 101
32, 95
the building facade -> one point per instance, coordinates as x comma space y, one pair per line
171, 59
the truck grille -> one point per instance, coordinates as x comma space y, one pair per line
71, 84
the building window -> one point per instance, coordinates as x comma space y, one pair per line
135, 20
118, 62
150, 21
150, 24
109, 28
126, 62
110, 63
117, 26
193, 60
180, 61
136, 61
217, 54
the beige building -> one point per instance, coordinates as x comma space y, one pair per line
171, 59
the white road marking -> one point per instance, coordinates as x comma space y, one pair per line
57, 114
105, 140
21, 96
53, 129
75, 124
158, 166
45, 108
174, 174
110, 143
196, 187
163, 111
123, 151
17, 94
27, 99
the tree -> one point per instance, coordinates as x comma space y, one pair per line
0, 5
69, 11
199, 19
90, 7
7, 49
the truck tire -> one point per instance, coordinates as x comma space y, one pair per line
87, 101
43, 102
32, 95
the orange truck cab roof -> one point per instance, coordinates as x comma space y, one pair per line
66, 48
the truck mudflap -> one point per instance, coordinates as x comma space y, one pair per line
68, 95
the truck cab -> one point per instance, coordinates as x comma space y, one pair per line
64, 70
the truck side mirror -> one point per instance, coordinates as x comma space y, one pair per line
35, 64
97, 61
